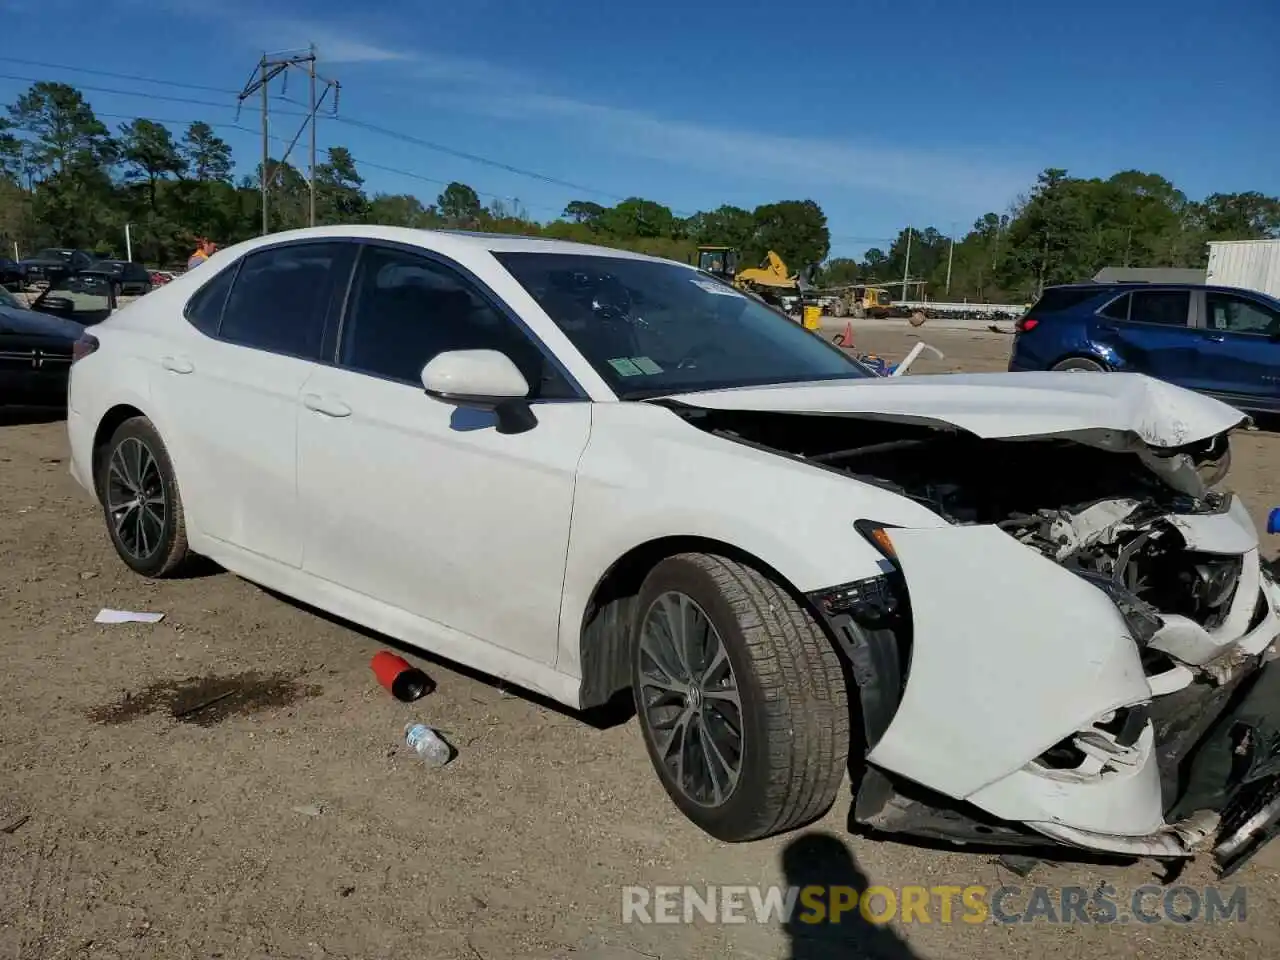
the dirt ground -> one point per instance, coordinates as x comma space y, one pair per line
230, 782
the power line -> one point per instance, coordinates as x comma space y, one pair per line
116, 76
349, 121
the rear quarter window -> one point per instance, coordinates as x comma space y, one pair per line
204, 309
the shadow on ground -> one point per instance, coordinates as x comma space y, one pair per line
618, 711
822, 859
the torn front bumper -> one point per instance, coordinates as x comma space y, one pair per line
1201, 770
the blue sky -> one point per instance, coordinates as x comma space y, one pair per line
927, 112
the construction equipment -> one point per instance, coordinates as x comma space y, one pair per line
720, 262
861, 300
770, 282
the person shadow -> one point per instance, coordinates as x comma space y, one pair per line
823, 860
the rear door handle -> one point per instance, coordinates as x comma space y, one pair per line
1107, 328
177, 364
329, 406
1215, 338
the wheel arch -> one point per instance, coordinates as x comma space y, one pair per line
1104, 358
604, 629
126, 408
108, 424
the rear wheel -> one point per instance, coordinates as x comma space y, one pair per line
140, 500
1079, 363
741, 698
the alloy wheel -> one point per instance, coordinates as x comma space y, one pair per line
690, 701
135, 498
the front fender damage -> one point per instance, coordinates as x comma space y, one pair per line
1006, 657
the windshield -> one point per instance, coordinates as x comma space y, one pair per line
651, 328
63, 255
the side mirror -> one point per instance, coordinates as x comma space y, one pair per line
481, 380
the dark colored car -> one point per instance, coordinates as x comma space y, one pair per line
11, 275
35, 355
85, 298
130, 279
48, 262
1221, 341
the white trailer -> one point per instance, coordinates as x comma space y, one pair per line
1248, 264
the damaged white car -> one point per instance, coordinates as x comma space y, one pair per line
1018, 608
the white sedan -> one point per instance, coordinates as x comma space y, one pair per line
1010, 605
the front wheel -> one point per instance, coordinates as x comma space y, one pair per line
741, 698
140, 500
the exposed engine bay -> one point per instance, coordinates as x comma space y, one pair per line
1100, 513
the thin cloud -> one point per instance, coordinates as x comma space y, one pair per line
956, 180
956, 177
336, 43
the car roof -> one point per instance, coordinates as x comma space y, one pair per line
1126, 285
446, 240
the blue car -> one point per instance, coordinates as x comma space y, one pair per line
1216, 340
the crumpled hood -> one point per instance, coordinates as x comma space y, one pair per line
1002, 405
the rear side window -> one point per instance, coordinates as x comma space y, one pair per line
1063, 298
280, 298
1165, 307
204, 309
1117, 309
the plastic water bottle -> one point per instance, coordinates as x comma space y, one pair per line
427, 744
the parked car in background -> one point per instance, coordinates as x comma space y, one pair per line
35, 354
52, 260
86, 298
11, 275
1221, 341
128, 279
1005, 607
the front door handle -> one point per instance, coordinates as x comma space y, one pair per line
177, 364
1215, 338
1107, 328
329, 406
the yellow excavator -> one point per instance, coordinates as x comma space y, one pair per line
770, 282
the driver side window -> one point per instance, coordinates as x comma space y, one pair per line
404, 309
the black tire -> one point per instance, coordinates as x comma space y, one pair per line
794, 715
1079, 363
151, 548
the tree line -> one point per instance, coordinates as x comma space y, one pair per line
67, 180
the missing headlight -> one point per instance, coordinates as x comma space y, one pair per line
872, 602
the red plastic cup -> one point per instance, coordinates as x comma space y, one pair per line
402, 680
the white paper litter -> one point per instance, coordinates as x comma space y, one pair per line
126, 616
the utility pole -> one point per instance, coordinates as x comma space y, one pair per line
951, 250
266, 146
906, 270
268, 68
311, 167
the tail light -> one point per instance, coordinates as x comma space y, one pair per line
1025, 324
86, 345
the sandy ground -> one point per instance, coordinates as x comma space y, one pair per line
286, 820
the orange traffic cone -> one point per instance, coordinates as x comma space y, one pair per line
845, 339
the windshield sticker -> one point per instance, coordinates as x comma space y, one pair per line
719, 289
625, 367
646, 365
